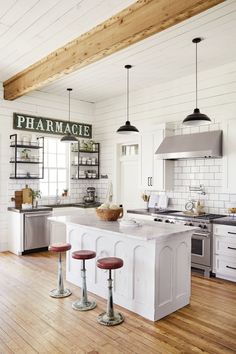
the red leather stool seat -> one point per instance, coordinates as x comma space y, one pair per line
110, 263
59, 247
83, 254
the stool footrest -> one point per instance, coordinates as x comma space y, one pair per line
60, 294
81, 306
105, 320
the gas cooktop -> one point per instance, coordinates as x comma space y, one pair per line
202, 216
181, 214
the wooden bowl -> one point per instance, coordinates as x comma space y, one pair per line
109, 214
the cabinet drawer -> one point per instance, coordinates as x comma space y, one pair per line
225, 267
225, 230
222, 245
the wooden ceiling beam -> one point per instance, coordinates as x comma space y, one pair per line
135, 23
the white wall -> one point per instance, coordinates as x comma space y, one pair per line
149, 107
36, 103
172, 102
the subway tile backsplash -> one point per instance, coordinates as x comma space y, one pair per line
206, 172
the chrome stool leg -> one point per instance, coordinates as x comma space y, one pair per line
83, 304
60, 292
110, 317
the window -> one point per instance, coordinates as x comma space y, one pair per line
56, 167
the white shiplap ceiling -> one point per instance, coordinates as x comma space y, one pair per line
32, 29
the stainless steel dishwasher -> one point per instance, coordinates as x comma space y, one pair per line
36, 231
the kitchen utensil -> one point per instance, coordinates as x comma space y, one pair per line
129, 223
90, 197
18, 199
27, 195
189, 205
109, 214
153, 200
163, 201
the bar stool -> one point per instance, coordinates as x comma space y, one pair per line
110, 317
83, 304
60, 292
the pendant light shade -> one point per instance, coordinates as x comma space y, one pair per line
69, 138
196, 118
127, 128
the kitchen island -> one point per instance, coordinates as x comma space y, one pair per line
155, 279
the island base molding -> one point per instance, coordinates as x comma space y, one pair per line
155, 279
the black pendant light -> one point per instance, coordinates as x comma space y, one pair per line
69, 138
127, 128
196, 118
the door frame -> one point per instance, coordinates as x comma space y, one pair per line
117, 157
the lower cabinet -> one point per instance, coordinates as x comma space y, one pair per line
224, 252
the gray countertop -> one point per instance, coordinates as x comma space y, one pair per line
33, 210
52, 206
227, 220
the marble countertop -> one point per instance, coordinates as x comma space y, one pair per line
148, 211
148, 230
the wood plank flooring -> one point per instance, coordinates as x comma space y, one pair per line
32, 322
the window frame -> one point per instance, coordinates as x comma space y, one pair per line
47, 169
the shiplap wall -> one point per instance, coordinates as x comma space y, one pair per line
171, 102
36, 103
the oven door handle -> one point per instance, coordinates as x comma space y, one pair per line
200, 235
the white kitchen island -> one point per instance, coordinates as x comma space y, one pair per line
155, 279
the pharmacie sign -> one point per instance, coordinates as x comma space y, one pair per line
51, 126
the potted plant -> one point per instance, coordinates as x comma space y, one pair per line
35, 197
25, 154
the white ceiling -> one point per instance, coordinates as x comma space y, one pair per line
32, 29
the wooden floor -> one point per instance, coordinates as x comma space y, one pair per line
32, 322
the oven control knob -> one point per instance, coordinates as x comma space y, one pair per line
159, 220
190, 224
200, 225
204, 227
167, 221
186, 224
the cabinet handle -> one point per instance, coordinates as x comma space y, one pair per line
150, 181
231, 267
231, 233
232, 248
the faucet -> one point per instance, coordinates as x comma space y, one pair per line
58, 199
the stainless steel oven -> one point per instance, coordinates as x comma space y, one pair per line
201, 254
201, 248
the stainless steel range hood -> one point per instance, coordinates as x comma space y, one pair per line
189, 146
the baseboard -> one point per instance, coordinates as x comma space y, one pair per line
4, 246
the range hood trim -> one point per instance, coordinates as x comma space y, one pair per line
191, 146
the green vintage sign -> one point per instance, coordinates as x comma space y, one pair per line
51, 126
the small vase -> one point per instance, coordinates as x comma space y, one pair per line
35, 203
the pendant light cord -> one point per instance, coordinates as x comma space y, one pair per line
127, 100
196, 77
69, 105
69, 90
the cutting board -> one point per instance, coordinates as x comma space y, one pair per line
18, 199
27, 195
